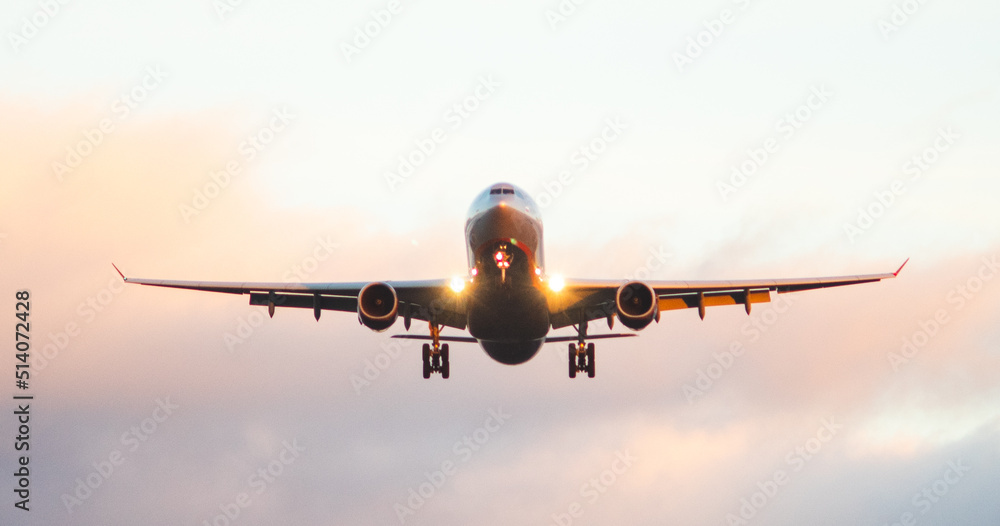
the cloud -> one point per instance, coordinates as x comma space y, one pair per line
900, 374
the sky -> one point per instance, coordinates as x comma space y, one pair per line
245, 140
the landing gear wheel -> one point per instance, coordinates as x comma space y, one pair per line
572, 360
427, 360
581, 351
590, 360
445, 364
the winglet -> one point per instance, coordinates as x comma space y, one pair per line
119, 272
894, 274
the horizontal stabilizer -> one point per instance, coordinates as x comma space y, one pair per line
557, 339
463, 339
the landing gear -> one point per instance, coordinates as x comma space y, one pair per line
445, 364
427, 360
581, 359
435, 355
581, 354
572, 360
590, 360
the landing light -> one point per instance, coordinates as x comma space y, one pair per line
457, 284
503, 259
556, 283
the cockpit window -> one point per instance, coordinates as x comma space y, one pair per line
495, 191
501, 190
508, 190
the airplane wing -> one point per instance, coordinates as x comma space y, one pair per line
420, 299
595, 299
579, 299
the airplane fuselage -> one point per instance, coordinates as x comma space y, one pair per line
506, 304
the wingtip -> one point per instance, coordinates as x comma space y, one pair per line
119, 272
894, 274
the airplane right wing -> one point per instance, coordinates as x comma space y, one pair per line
595, 299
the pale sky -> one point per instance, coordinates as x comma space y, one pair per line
866, 133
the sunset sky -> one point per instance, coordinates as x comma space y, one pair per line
306, 141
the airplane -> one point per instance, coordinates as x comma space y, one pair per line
507, 303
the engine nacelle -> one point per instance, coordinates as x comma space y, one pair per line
378, 306
637, 305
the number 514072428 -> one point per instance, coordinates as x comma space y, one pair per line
22, 339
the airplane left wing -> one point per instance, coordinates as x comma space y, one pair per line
419, 299
594, 299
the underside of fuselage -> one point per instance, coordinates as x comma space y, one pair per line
508, 313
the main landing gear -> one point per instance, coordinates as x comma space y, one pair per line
581, 354
581, 358
435, 355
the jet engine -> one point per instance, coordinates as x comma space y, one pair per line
378, 306
637, 305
